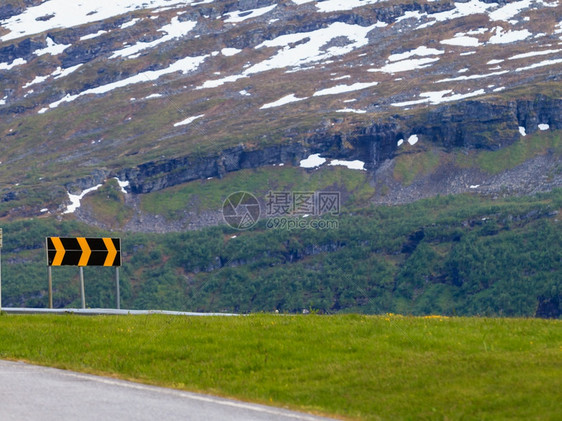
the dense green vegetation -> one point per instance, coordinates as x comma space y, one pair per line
360, 367
458, 255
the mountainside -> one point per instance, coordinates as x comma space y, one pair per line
140, 117
158, 93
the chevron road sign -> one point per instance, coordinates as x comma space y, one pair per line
81, 251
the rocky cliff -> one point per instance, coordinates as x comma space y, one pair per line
473, 124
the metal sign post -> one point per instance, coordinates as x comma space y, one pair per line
0, 269
82, 293
50, 288
118, 293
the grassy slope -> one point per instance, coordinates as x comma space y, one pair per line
385, 367
423, 160
210, 194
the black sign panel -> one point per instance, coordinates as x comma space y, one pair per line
82, 251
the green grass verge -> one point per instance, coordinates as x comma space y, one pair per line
357, 367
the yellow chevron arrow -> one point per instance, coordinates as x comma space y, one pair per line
111, 252
86, 251
59, 255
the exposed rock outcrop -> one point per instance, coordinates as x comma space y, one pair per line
153, 176
470, 124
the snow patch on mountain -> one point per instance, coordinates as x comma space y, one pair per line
420, 51
175, 29
406, 65
533, 54
340, 89
129, 24
540, 64
413, 139
188, 120
184, 66
352, 165
300, 49
313, 161
240, 16
16, 62
66, 14
75, 199
506, 37
439, 97
510, 10
152, 96
472, 77
471, 7
228, 52
308, 47
351, 110
282, 101
52, 48
340, 5
92, 36
58, 73
122, 185
462, 41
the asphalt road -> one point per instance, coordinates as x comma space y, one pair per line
29, 392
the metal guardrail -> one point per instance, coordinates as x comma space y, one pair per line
103, 312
